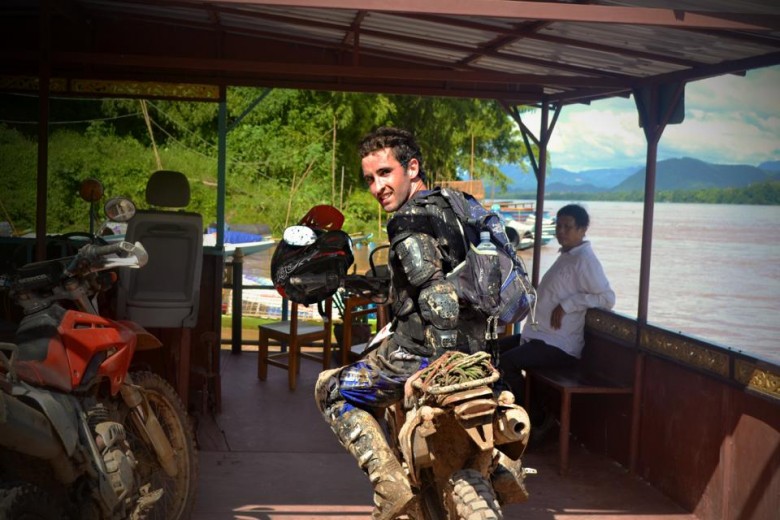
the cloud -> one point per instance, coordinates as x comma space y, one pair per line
729, 120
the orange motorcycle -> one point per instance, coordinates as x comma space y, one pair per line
80, 435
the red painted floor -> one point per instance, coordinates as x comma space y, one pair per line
269, 456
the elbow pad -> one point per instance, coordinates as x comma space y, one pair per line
439, 310
419, 258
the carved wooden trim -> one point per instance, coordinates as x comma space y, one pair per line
145, 89
687, 351
97, 87
757, 378
611, 324
30, 83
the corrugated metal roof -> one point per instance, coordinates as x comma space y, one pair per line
518, 51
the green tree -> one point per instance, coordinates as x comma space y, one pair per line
286, 151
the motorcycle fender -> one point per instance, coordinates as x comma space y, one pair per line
145, 340
147, 421
409, 443
481, 434
60, 409
513, 450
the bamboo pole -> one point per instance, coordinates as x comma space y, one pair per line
289, 202
8, 218
294, 189
471, 164
341, 192
145, 111
333, 165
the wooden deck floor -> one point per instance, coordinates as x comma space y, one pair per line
269, 456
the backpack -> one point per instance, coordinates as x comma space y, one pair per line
493, 282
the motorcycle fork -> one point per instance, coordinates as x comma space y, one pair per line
146, 422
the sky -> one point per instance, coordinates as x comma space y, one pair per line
728, 120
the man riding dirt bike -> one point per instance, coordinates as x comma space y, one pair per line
429, 323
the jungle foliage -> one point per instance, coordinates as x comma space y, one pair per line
287, 150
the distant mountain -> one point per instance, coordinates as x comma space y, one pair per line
518, 179
599, 179
693, 174
558, 187
584, 181
770, 166
672, 174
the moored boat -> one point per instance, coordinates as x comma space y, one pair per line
521, 217
248, 242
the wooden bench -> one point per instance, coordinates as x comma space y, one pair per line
582, 380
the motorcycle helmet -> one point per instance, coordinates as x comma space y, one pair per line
311, 265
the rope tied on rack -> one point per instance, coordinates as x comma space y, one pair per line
454, 368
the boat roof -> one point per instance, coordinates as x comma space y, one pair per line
518, 52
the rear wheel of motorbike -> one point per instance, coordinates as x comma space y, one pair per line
179, 491
28, 502
469, 496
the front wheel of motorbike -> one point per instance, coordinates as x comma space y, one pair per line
21, 500
469, 496
179, 491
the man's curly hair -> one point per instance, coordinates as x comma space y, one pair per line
400, 141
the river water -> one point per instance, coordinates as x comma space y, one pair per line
715, 269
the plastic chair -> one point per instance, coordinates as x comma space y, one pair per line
294, 335
165, 292
356, 307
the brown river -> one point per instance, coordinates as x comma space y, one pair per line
715, 270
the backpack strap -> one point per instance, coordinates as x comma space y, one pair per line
439, 199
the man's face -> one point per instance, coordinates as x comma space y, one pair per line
387, 180
567, 232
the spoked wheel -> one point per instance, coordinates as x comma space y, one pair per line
178, 491
469, 496
21, 501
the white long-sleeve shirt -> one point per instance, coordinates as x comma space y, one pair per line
576, 280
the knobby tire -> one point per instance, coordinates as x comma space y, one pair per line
470, 496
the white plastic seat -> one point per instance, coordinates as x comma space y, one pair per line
166, 292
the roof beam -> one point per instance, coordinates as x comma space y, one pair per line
527, 10
217, 65
520, 97
523, 33
709, 71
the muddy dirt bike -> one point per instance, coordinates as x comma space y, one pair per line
456, 436
452, 431
80, 436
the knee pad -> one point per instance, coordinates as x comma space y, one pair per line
326, 389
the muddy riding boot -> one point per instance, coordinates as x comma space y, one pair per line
359, 432
508, 480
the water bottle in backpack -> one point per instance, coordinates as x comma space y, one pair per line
484, 242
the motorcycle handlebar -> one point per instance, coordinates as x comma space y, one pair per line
371, 287
97, 258
374, 288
